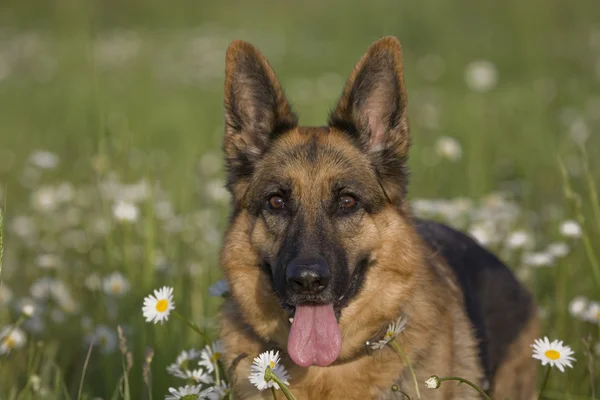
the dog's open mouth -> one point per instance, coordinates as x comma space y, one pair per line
315, 337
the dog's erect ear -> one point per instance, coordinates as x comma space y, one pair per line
256, 110
372, 108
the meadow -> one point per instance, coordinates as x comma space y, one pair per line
111, 173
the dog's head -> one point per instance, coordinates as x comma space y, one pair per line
320, 231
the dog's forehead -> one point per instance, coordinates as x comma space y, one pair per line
316, 153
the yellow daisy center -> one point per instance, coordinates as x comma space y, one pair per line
389, 335
552, 354
215, 357
162, 305
115, 287
271, 364
9, 342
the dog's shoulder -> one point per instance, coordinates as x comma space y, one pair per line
498, 306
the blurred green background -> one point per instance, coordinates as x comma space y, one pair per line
131, 92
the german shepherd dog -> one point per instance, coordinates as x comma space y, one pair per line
323, 252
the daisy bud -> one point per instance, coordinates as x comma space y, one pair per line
28, 310
433, 382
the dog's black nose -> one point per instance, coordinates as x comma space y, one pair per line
308, 276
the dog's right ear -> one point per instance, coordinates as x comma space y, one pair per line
256, 111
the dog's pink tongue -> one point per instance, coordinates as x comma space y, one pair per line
315, 337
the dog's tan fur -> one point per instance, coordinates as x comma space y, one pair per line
406, 277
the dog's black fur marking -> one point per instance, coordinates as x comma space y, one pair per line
487, 285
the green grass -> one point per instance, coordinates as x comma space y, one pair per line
136, 90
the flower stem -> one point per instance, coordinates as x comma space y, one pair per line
269, 374
463, 380
194, 327
274, 392
545, 382
217, 374
405, 360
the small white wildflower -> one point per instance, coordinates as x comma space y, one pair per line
28, 310
157, 307
181, 366
210, 356
555, 353
44, 199
433, 382
259, 366
93, 282
125, 212
35, 382
48, 261
44, 159
481, 76
592, 313
104, 337
539, 259
199, 375
11, 338
577, 306
216, 191
220, 288
219, 392
484, 233
115, 284
40, 288
519, 240
393, 330
188, 392
570, 229
449, 148
558, 249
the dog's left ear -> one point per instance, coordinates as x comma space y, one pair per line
256, 110
372, 111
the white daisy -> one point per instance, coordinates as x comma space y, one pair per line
448, 148
115, 284
592, 313
219, 392
188, 392
558, 249
393, 330
28, 310
93, 282
258, 368
539, 259
11, 338
553, 353
199, 376
181, 366
211, 354
481, 75
157, 308
44, 159
105, 338
577, 306
570, 228
220, 288
125, 212
519, 239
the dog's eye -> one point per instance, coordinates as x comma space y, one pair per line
347, 202
276, 202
